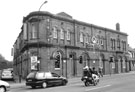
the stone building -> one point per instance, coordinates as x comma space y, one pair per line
131, 58
61, 44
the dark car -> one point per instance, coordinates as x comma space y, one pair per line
44, 79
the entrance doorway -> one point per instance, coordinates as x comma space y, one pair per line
73, 64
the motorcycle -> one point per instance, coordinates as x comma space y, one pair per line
94, 80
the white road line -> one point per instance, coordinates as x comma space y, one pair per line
97, 87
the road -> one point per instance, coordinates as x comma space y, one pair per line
113, 83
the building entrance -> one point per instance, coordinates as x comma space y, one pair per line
73, 64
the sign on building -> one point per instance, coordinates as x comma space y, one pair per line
34, 62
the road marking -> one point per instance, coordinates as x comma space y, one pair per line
97, 87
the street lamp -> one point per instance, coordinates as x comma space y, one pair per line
42, 5
38, 37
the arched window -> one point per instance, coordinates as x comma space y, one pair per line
57, 60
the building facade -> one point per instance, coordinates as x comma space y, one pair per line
131, 58
61, 44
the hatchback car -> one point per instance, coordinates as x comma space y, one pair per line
44, 79
4, 86
7, 74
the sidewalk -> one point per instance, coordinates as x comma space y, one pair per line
70, 80
17, 84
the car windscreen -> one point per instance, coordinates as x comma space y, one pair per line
31, 75
7, 72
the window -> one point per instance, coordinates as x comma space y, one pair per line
124, 45
57, 61
101, 42
55, 75
86, 39
68, 34
34, 31
55, 32
113, 44
90, 39
118, 44
31, 75
25, 31
61, 34
81, 37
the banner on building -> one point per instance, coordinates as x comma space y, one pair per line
34, 63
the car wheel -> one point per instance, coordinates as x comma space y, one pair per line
64, 83
2, 89
86, 83
44, 85
33, 86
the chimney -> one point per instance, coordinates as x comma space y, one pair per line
117, 26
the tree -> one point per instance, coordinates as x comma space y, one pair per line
1, 58
4, 64
9, 64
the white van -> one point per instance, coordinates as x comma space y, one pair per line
4, 86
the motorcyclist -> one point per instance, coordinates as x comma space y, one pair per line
89, 76
95, 74
94, 71
87, 72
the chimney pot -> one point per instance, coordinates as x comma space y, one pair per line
117, 26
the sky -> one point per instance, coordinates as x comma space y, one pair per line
104, 13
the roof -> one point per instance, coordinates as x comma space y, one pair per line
65, 15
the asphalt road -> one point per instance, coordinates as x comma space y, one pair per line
113, 83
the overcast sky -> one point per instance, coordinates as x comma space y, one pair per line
104, 13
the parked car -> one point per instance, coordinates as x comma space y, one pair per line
4, 86
44, 79
7, 74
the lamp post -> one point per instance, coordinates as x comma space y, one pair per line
38, 61
42, 5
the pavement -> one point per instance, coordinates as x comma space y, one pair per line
70, 80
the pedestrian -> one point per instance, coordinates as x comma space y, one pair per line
100, 72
